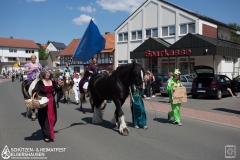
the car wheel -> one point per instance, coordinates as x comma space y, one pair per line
194, 96
219, 94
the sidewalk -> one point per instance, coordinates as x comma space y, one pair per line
227, 120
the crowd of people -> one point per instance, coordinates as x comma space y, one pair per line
14, 74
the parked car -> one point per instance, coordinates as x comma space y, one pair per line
158, 79
186, 81
209, 84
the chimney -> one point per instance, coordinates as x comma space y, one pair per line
107, 33
11, 37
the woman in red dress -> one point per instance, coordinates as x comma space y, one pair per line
47, 116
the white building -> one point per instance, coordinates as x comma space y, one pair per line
12, 50
167, 24
55, 46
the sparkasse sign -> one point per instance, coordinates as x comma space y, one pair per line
168, 53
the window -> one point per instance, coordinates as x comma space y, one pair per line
76, 69
122, 62
154, 33
122, 37
102, 55
183, 79
151, 33
183, 29
136, 35
139, 34
27, 59
32, 51
12, 59
164, 31
148, 33
12, 50
228, 59
187, 28
168, 31
191, 28
29, 51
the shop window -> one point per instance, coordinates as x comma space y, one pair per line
151, 33
187, 28
192, 59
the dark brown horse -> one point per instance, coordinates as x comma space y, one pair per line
115, 87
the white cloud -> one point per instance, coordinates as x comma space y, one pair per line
70, 8
123, 5
82, 19
35, 0
88, 9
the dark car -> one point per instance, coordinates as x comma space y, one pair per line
158, 79
209, 84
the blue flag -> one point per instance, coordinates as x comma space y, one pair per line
91, 43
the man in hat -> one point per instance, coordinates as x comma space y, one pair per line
174, 82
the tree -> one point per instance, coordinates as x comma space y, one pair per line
42, 53
234, 36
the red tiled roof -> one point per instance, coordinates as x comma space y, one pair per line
109, 46
18, 43
44, 45
70, 49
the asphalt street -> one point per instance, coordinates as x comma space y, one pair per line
85, 141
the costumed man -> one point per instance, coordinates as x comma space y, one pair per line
174, 82
90, 70
76, 88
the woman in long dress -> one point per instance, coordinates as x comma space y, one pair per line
47, 116
138, 109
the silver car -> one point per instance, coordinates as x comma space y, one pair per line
186, 81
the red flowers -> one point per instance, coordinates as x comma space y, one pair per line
172, 84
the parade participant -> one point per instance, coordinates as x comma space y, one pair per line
67, 69
152, 82
13, 75
170, 76
174, 82
47, 116
32, 68
76, 87
91, 69
138, 109
147, 85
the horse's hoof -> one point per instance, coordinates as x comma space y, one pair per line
125, 132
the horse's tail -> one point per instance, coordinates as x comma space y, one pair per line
24, 92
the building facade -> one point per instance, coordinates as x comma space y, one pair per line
55, 46
13, 50
170, 23
105, 59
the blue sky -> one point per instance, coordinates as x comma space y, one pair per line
64, 20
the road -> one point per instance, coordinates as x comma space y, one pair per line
83, 140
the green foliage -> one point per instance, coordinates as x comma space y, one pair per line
42, 53
234, 36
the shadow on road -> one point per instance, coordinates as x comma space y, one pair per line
164, 102
162, 120
227, 110
36, 136
105, 124
84, 110
74, 124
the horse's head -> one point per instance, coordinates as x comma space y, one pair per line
67, 78
137, 75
